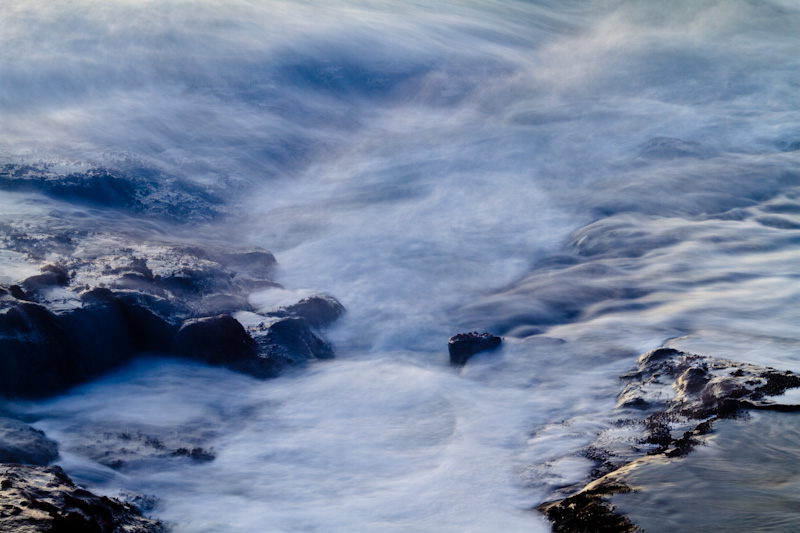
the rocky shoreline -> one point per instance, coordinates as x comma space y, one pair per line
668, 407
102, 298
84, 316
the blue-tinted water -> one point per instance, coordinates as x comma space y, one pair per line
587, 179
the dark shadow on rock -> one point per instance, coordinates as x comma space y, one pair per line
218, 340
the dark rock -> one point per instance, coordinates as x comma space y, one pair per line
133, 189
33, 351
135, 281
685, 394
692, 381
17, 292
319, 310
588, 512
121, 302
51, 276
289, 341
44, 499
263, 351
218, 340
465, 345
292, 337
42, 353
20, 443
198, 280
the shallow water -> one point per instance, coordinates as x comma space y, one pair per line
590, 180
745, 479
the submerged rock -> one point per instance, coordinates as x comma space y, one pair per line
465, 345
20, 443
44, 499
133, 190
671, 148
117, 446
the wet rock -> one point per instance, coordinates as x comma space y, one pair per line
218, 340
130, 188
117, 447
17, 292
288, 341
703, 386
681, 396
98, 306
319, 310
51, 276
42, 352
20, 443
34, 351
588, 512
44, 499
465, 345
692, 381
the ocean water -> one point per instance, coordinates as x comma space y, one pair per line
590, 180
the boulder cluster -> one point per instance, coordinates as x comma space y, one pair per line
93, 307
82, 317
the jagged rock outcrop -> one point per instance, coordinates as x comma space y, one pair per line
37, 499
87, 314
679, 396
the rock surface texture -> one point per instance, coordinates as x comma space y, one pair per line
37, 499
88, 313
678, 397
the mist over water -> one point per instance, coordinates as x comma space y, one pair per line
590, 180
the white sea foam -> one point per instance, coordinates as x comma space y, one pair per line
613, 175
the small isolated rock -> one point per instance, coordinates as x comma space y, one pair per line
465, 345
